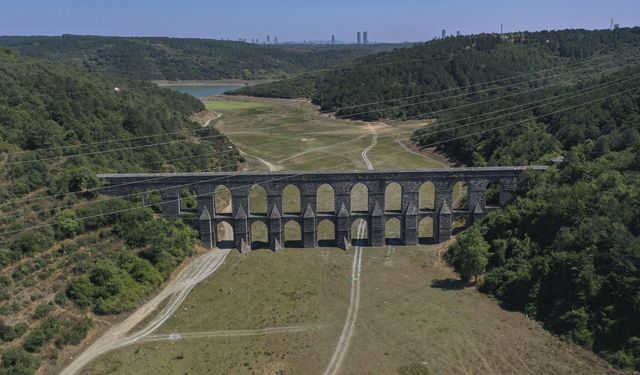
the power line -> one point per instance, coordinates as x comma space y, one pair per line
298, 174
354, 106
298, 122
573, 94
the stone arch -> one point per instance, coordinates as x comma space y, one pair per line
259, 235
360, 237
492, 193
326, 233
291, 199
258, 200
325, 198
427, 196
426, 231
393, 231
359, 198
292, 234
224, 200
188, 199
393, 197
224, 235
460, 195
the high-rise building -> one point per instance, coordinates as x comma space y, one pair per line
616, 25
333, 39
611, 25
359, 38
458, 33
444, 33
501, 27
268, 39
365, 37
275, 39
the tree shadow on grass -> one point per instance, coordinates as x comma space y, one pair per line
449, 284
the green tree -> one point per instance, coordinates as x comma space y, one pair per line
472, 254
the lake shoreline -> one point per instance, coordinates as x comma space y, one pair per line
216, 82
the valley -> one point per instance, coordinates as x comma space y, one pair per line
265, 312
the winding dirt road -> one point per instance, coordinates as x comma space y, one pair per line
177, 290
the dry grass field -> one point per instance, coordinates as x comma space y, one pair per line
282, 313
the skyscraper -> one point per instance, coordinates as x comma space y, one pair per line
333, 39
444, 33
458, 33
268, 39
275, 39
359, 38
365, 37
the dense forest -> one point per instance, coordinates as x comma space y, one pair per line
567, 251
187, 59
92, 255
402, 82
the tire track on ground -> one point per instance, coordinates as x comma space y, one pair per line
229, 333
340, 352
178, 289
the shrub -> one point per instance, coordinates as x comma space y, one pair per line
16, 361
73, 332
42, 311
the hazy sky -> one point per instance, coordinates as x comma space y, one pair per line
299, 20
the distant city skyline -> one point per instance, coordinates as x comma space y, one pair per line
295, 20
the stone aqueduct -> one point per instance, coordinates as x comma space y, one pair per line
240, 219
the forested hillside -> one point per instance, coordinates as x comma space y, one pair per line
567, 251
187, 59
401, 82
89, 254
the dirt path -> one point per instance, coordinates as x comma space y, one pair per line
177, 290
399, 141
272, 167
229, 333
204, 118
340, 352
374, 142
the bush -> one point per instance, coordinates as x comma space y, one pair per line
73, 332
42, 311
16, 361
38, 337
68, 224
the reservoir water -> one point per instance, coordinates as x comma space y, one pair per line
200, 91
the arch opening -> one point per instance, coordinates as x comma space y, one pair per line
291, 200
325, 199
492, 193
150, 198
188, 201
326, 233
224, 235
359, 198
427, 196
223, 200
393, 231
393, 197
426, 231
258, 200
460, 196
292, 234
259, 235
359, 232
